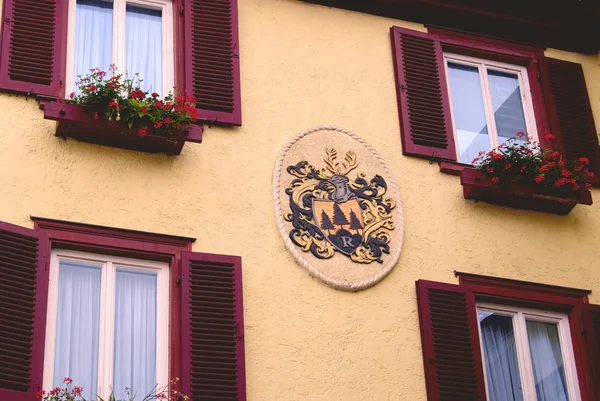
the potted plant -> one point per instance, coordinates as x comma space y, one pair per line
523, 175
115, 111
74, 393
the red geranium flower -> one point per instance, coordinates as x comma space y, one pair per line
95, 115
549, 136
584, 160
143, 131
539, 178
520, 134
495, 180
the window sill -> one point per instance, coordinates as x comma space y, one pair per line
477, 187
77, 122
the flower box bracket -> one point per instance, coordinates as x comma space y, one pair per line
478, 187
78, 122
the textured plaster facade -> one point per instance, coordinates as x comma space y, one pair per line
302, 65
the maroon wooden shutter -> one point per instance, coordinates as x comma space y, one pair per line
450, 338
33, 44
592, 334
211, 59
24, 257
213, 327
569, 110
423, 101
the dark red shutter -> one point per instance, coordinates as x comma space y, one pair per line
592, 334
213, 327
211, 59
569, 110
423, 101
450, 338
24, 255
33, 39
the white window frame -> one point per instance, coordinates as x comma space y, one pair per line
107, 314
483, 66
118, 41
520, 316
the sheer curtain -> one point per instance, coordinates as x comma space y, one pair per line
135, 332
93, 36
77, 326
500, 356
144, 46
548, 365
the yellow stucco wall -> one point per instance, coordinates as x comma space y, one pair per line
302, 65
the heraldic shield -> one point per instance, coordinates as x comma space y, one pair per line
338, 208
340, 222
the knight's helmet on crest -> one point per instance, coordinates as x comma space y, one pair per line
341, 191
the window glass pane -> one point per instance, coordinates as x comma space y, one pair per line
93, 36
468, 111
548, 365
500, 357
135, 332
77, 325
508, 107
144, 46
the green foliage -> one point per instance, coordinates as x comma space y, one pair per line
524, 161
122, 99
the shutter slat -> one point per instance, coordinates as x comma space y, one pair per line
570, 112
451, 350
33, 46
212, 327
23, 296
592, 334
423, 102
211, 63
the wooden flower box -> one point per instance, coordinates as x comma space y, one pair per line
77, 122
478, 187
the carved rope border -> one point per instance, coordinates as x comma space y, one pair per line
337, 284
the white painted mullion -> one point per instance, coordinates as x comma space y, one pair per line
525, 361
118, 39
168, 52
527, 102
162, 327
51, 315
566, 345
106, 338
451, 110
70, 79
488, 106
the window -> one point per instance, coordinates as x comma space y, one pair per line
459, 94
107, 324
490, 103
134, 319
496, 339
193, 44
135, 35
527, 354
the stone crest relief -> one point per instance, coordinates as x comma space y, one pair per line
334, 211
338, 208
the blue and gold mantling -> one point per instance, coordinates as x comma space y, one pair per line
331, 212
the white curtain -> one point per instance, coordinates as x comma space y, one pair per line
500, 356
144, 47
548, 366
93, 36
135, 332
77, 326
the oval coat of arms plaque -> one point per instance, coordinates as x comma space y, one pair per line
338, 208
